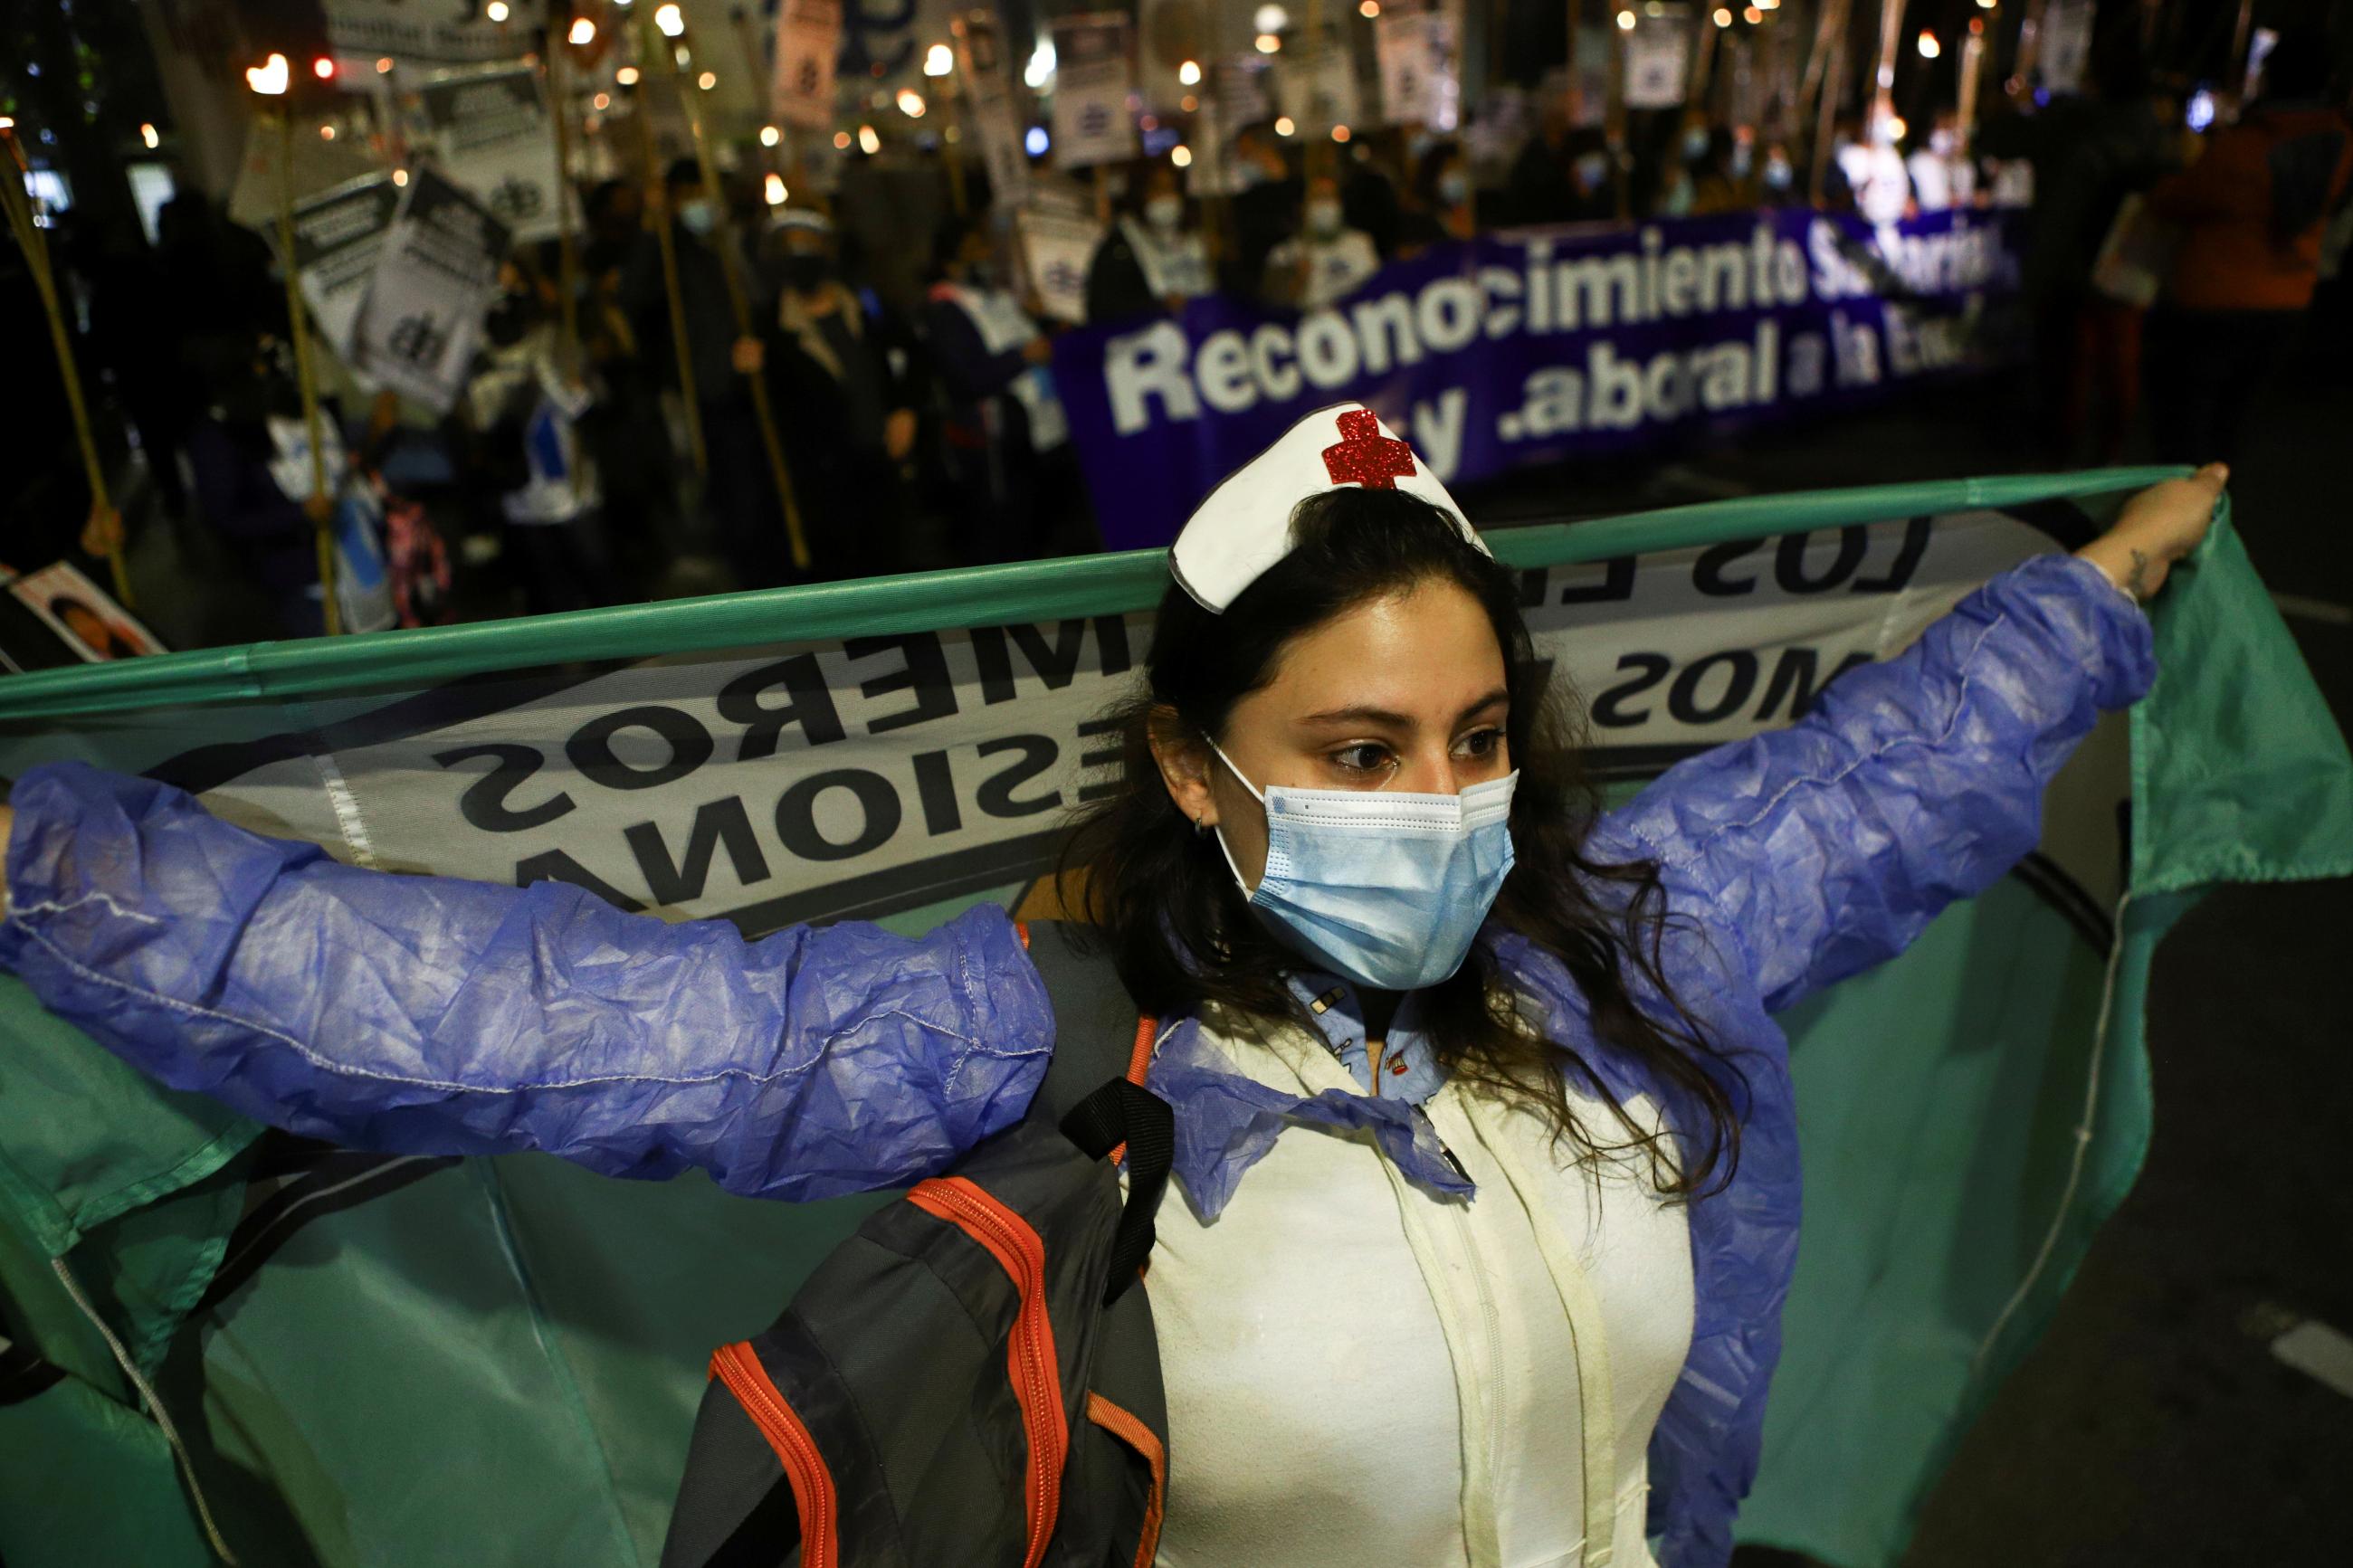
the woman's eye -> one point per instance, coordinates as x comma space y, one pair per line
1480, 744
1362, 759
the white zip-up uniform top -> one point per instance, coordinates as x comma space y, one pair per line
1364, 1374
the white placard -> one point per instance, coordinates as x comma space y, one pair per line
993, 112
1056, 250
1418, 70
1093, 76
338, 237
1658, 59
433, 32
2066, 45
435, 278
1320, 92
492, 136
809, 43
1240, 82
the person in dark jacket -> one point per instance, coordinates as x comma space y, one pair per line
1565, 174
1265, 209
741, 495
1155, 258
844, 401
1005, 441
2089, 151
1439, 202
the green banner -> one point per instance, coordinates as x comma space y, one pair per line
398, 1359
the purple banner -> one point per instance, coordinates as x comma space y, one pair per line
1536, 345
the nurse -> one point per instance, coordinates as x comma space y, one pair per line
1483, 1124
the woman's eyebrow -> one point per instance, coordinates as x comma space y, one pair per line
1366, 715
1490, 700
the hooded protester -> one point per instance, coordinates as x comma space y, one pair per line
844, 400
1155, 258
1356, 883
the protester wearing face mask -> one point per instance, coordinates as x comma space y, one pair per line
1942, 176
1005, 442
1326, 260
1677, 192
1593, 177
1439, 205
1264, 204
844, 401
1155, 258
1726, 180
1776, 177
1489, 1149
740, 492
1876, 174
1543, 186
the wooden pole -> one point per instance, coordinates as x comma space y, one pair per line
320, 505
723, 232
1829, 22
1883, 76
1702, 68
1973, 57
567, 263
35, 247
1614, 131
1826, 103
657, 206
951, 140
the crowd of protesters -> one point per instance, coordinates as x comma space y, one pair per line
911, 395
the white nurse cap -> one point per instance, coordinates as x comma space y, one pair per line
1239, 533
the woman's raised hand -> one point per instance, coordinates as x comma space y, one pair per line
2156, 529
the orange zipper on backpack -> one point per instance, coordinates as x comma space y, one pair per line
1029, 1354
738, 1366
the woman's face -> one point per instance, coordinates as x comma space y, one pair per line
1404, 693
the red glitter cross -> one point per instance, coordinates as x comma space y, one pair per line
1365, 457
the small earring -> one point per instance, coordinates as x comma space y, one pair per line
1200, 828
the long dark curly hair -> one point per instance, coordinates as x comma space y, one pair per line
1179, 930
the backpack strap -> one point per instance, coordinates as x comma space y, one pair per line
1095, 1020
1095, 1085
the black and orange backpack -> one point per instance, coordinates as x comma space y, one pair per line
969, 1379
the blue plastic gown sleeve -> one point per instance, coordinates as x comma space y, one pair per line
1825, 848
423, 1014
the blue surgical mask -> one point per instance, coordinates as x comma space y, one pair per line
700, 219
1387, 891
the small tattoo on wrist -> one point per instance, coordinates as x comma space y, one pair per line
2137, 581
